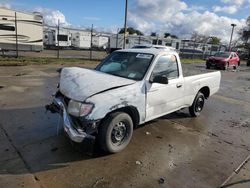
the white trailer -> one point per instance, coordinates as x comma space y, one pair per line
100, 42
26, 28
63, 38
81, 39
49, 37
116, 41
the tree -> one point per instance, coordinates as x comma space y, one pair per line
166, 35
153, 34
245, 35
196, 37
174, 36
131, 31
214, 40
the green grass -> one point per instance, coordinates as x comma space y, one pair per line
187, 60
22, 61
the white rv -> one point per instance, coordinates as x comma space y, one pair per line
27, 29
116, 41
100, 42
49, 37
64, 37
81, 39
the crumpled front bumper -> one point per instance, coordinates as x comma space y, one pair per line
75, 135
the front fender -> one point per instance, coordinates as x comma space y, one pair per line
132, 95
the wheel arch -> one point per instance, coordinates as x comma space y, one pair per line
130, 110
205, 91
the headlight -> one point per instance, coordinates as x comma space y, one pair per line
79, 109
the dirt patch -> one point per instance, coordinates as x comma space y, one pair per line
244, 78
20, 74
241, 124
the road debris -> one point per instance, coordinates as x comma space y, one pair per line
170, 148
138, 162
97, 182
20, 74
159, 137
161, 180
147, 133
54, 149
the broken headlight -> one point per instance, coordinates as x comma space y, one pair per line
79, 109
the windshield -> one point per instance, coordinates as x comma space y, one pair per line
129, 65
222, 54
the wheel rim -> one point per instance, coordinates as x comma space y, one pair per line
119, 133
199, 104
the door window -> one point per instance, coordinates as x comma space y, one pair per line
166, 66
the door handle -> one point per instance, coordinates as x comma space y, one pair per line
178, 85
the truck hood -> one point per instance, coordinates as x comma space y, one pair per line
79, 83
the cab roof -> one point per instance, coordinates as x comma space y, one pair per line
153, 51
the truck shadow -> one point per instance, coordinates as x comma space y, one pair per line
30, 140
34, 141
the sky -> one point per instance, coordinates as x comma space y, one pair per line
178, 17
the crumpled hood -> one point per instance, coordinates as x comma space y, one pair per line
80, 83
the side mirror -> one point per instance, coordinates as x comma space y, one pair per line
231, 57
160, 79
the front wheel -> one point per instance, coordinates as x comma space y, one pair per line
197, 105
226, 66
116, 132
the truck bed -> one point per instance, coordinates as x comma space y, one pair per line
191, 69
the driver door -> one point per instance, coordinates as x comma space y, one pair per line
164, 98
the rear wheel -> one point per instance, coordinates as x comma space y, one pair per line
248, 63
236, 66
116, 132
226, 66
197, 105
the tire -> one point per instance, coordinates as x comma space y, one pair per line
116, 132
236, 66
248, 63
207, 65
226, 66
197, 105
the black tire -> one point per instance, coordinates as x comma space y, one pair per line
197, 105
207, 65
116, 132
226, 66
236, 66
248, 63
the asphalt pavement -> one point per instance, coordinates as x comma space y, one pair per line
175, 151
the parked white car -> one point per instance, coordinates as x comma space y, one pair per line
128, 88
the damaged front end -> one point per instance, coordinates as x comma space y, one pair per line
77, 129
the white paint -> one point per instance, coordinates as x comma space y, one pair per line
151, 100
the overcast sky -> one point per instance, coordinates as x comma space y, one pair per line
179, 17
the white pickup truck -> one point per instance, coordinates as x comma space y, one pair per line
128, 88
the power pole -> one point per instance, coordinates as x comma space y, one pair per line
16, 36
91, 39
58, 30
125, 24
233, 25
117, 35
